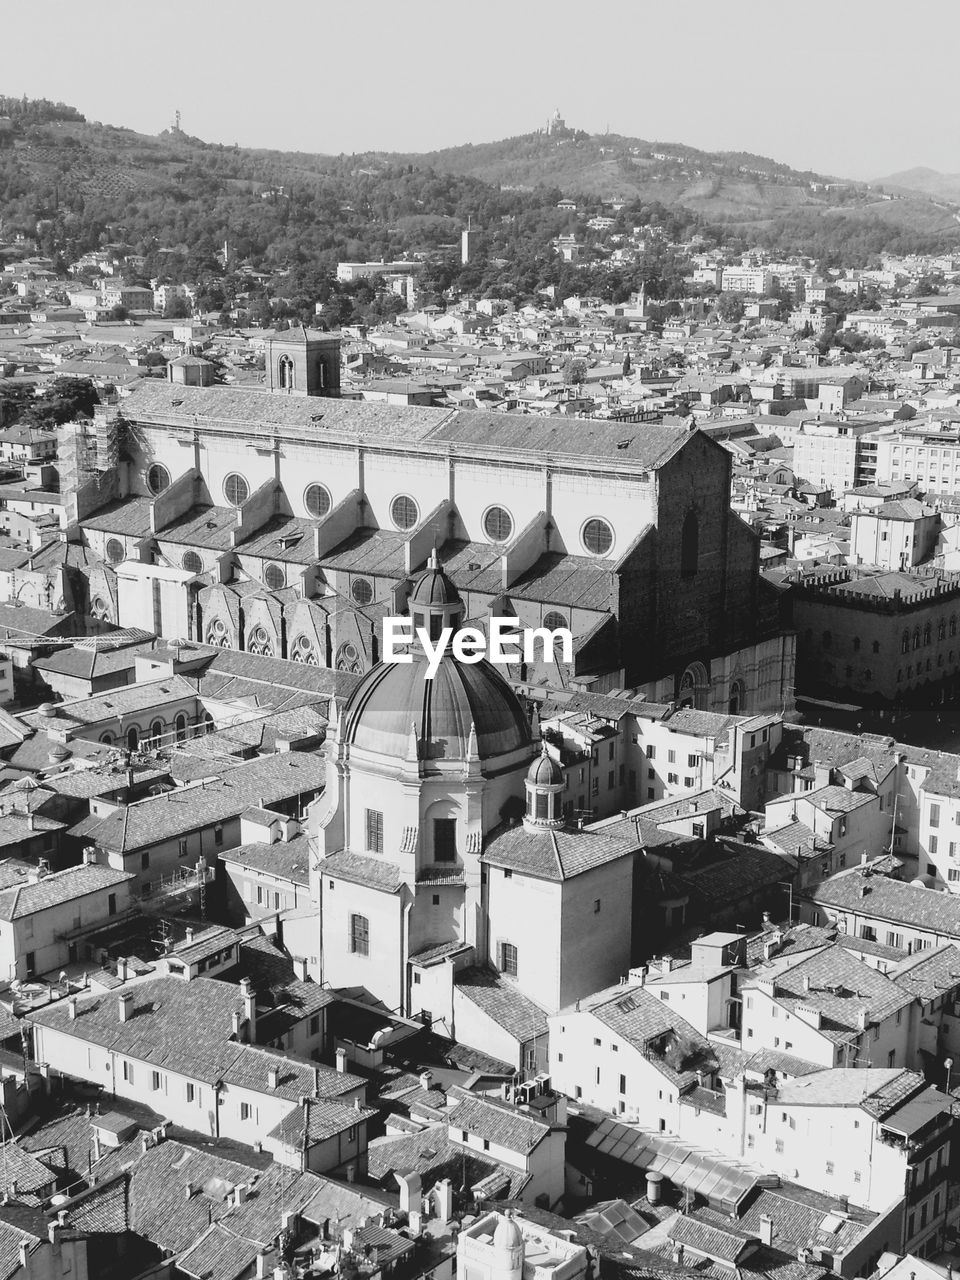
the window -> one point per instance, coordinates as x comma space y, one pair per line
317, 501
116, 551
404, 512
359, 935
553, 620
235, 489
128, 1072
934, 815
192, 562
144, 861
671, 757
158, 477
374, 831
274, 577
690, 545
597, 537
596, 906
829, 1167
933, 849
246, 1111
651, 752
444, 839
509, 958
497, 524
155, 1081
779, 1146
362, 591
218, 834
191, 1092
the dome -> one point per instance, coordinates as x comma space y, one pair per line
394, 697
434, 587
545, 772
507, 1234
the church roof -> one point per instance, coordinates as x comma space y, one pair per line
553, 854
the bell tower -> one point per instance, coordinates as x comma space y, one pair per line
303, 362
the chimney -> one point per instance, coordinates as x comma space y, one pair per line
188, 1191
342, 1063
188, 936
806, 983
122, 969
273, 1079
125, 1005
72, 1007
236, 1026
249, 1007
666, 964
24, 1256
239, 1194
861, 1019
261, 1266
766, 1230
426, 1079
678, 1254
300, 968
53, 1232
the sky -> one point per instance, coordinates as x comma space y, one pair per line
853, 88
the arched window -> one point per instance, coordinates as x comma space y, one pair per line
133, 738
302, 651
217, 634
905, 642
690, 545
180, 724
942, 629
738, 698
156, 732
285, 373
107, 739
259, 643
926, 634
348, 659
694, 688
99, 608
192, 562
953, 624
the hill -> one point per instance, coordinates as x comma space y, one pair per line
941, 186
71, 186
726, 187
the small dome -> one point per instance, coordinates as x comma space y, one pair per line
58, 752
545, 772
507, 1234
434, 587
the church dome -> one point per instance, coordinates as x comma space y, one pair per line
545, 772
394, 698
507, 1234
434, 588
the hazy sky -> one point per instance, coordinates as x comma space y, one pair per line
859, 88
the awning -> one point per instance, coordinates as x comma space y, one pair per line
715, 1177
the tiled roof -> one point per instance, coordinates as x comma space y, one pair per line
498, 1122
372, 872
10, 1240
59, 887
638, 1017
218, 1254
148, 822
878, 1090
892, 900
556, 854
929, 974
841, 986
317, 1120
503, 1003
296, 1078
431, 1154
285, 859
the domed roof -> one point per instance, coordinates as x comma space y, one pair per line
395, 697
434, 587
507, 1234
545, 772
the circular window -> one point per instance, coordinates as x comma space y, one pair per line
115, 550
361, 591
274, 576
317, 501
99, 607
302, 651
404, 512
235, 489
552, 621
158, 477
597, 537
497, 524
192, 562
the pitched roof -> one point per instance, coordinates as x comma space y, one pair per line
62, 886
556, 854
318, 1119
905, 904
503, 1002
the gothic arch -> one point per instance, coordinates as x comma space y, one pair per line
693, 689
286, 374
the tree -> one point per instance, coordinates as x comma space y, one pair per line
730, 308
119, 312
574, 371
177, 308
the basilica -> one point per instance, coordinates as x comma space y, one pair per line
289, 522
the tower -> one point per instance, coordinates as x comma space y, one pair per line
469, 243
303, 362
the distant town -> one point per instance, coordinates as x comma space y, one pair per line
634, 956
